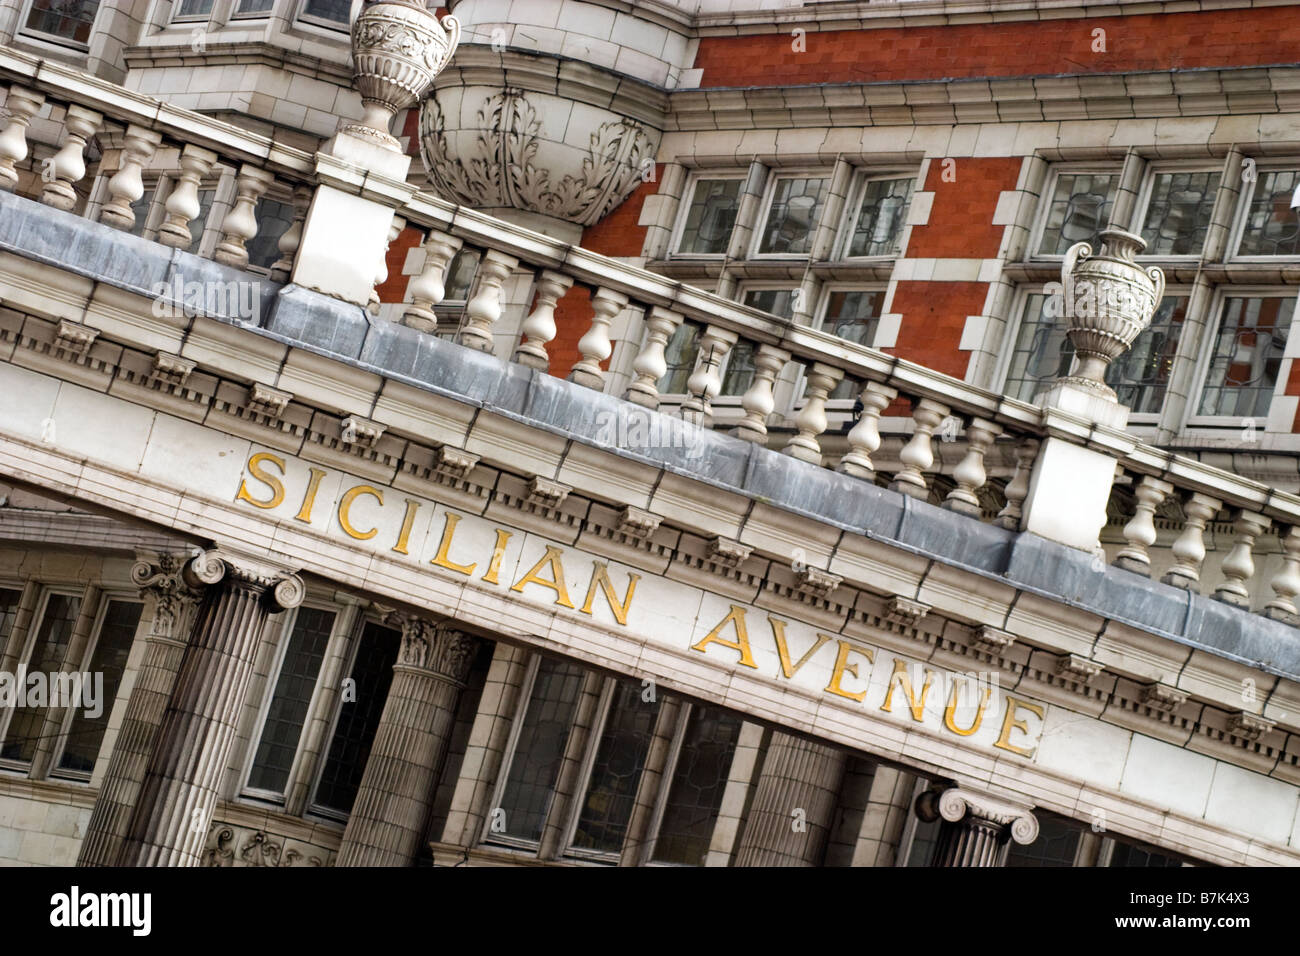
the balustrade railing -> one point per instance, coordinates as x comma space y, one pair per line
986, 421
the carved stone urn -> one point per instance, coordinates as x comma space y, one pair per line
398, 47
1109, 300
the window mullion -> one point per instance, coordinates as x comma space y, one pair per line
584, 736
652, 788
1124, 212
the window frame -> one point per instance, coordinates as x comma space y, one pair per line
1143, 204
688, 195
1210, 332
1111, 168
190, 19
1244, 199
238, 14
592, 745
106, 596
853, 213
302, 17
837, 407
774, 178
53, 39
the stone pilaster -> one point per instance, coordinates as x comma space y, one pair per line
977, 828
193, 742
794, 804
392, 806
161, 582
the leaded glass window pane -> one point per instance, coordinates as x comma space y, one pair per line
853, 315
739, 374
1141, 854
256, 6
141, 209
1057, 843
680, 354
779, 302
699, 779
1041, 354
200, 222
339, 11
1178, 213
293, 692
47, 655
116, 634
710, 217
539, 750
9, 600
273, 221
358, 720
1079, 208
792, 216
1247, 357
1273, 221
879, 228
620, 758
193, 8
68, 19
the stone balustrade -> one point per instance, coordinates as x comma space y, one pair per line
1157, 488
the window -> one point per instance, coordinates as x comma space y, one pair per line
1140, 854
249, 7
10, 599
358, 719
854, 314
698, 781
332, 11
193, 10
779, 302
1140, 376
304, 652
1178, 212
539, 749
877, 229
1247, 356
273, 220
65, 19
44, 655
710, 217
1056, 846
1078, 209
620, 758
85, 734
680, 354
142, 207
200, 222
792, 216
1272, 219
461, 272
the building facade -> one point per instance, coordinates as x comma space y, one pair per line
573, 432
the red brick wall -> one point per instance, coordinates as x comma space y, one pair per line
933, 316
966, 193
1246, 37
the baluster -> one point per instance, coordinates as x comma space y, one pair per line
595, 345
706, 381
811, 420
969, 473
484, 307
183, 203
1286, 583
864, 437
381, 271
430, 286
539, 327
240, 223
1239, 566
22, 104
758, 400
1140, 532
68, 165
292, 238
1189, 548
126, 186
917, 455
1017, 489
651, 365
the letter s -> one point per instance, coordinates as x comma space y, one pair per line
275, 484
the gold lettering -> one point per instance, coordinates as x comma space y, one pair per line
950, 713
600, 576
900, 676
345, 509
408, 521
444, 546
309, 498
842, 667
498, 553
783, 649
736, 617
272, 482
556, 584
1009, 723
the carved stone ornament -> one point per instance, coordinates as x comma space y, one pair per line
1108, 300
427, 645
160, 577
398, 47
284, 589
230, 846
957, 805
505, 157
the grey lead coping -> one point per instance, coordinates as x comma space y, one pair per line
329, 327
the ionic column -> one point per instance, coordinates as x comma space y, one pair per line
392, 805
160, 578
977, 829
193, 743
794, 804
